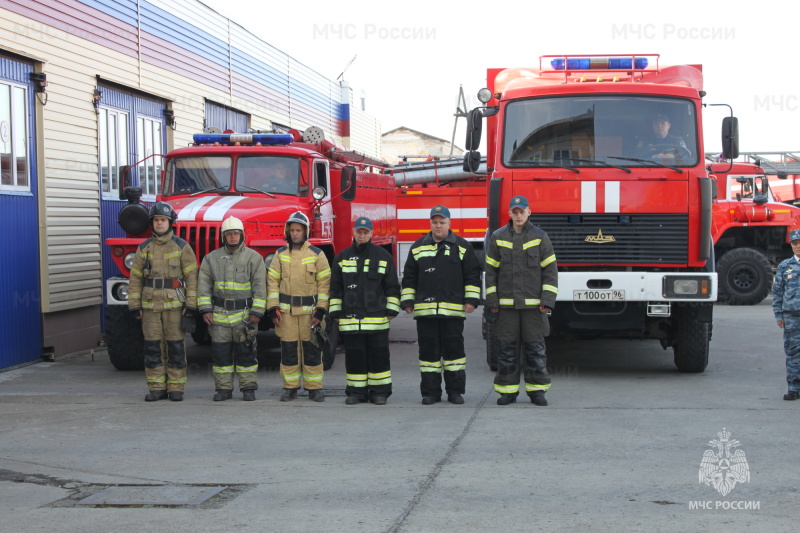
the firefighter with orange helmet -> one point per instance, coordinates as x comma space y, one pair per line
299, 280
163, 295
232, 297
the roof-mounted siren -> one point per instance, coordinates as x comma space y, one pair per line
241, 138
316, 135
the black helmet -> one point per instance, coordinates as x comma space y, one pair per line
162, 209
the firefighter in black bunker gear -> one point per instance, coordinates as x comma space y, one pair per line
365, 296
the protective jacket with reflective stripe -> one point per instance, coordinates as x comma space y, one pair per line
521, 269
236, 275
365, 290
166, 257
439, 278
297, 273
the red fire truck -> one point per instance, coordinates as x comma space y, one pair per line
750, 230
629, 210
226, 174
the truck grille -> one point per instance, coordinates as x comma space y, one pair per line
204, 237
637, 238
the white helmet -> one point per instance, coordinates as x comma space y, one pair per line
229, 224
298, 217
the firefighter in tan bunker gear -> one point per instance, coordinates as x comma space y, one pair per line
299, 279
163, 295
231, 295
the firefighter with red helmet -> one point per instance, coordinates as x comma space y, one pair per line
299, 279
163, 295
232, 295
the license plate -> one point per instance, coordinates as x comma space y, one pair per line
599, 295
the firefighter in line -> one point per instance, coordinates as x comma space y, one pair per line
232, 297
299, 280
365, 297
521, 288
441, 284
786, 306
163, 295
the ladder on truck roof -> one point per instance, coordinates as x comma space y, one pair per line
775, 162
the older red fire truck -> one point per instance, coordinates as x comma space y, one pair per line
750, 231
627, 206
228, 174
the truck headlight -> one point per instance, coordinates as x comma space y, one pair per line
686, 287
129, 257
121, 291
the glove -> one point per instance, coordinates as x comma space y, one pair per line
190, 312
136, 313
255, 319
189, 323
319, 313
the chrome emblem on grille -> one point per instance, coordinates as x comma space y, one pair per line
600, 238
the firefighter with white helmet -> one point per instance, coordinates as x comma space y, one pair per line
163, 295
299, 280
232, 297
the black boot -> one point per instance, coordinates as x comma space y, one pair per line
249, 395
506, 399
155, 395
288, 395
537, 398
176, 396
316, 395
222, 395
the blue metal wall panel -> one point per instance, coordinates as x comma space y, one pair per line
115, 98
124, 10
20, 314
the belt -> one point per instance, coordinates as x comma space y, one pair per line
298, 301
233, 305
163, 283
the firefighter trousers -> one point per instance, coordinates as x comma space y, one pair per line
300, 357
164, 369
525, 329
441, 351
234, 350
366, 361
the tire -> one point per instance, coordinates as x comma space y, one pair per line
745, 277
124, 339
329, 351
692, 339
200, 335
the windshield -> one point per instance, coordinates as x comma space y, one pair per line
592, 131
278, 175
187, 175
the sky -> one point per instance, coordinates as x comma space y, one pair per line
412, 57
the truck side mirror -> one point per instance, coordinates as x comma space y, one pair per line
730, 137
125, 178
472, 161
348, 184
474, 129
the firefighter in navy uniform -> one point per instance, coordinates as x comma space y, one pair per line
163, 295
365, 296
521, 287
232, 296
299, 280
786, 306
441, 284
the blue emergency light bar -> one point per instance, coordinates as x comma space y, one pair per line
600, 63
243, 138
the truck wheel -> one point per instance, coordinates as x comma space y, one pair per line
329, 352
745, 277
124, 339
692, 339
200, 335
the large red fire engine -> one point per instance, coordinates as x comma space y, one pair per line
224, 174
629, 211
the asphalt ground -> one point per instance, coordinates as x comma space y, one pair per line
619, 447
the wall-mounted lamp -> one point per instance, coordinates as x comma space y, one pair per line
169, 117
96, 97
39, 80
